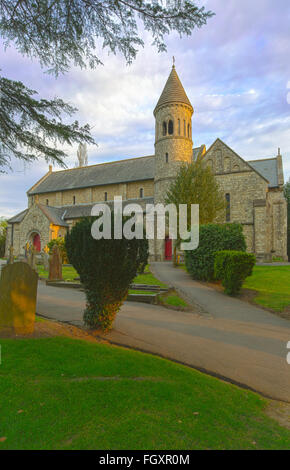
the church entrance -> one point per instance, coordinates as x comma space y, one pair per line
36, 242
168, 249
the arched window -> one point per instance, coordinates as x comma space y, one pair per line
164, 128
141, 192
106, 196
47, 201
228, 207
188, 130
184, 127
170, 127
166, 157
178, 126
74, 200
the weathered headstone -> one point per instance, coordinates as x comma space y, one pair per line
11, 255
55, 265
32, 258
45, 260
18, 291
26, 249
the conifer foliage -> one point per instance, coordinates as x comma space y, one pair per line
64, 33
106, 268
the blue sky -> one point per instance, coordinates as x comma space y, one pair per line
235, 71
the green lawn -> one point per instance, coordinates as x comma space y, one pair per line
272, 284
61, 393
68, 272
175, 300
148, 279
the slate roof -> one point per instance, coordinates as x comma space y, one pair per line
123, 171
173, 91
84, 210
18, 217
54, 214
268, 169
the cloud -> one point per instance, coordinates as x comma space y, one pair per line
235, 71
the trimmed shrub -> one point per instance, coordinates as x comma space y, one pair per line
232, 268
212, 238
106, 268
60, 242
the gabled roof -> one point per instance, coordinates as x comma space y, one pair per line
18, 217
244, 161
54, 214
268, 168
123, 171
173, 91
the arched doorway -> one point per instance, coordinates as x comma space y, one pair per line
168, 249
36, 241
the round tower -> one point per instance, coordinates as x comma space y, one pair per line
173, 134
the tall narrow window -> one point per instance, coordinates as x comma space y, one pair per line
47, 201
164, 128
74, 200
170, 127
178, 126
228, 207
188, 130
184, 127
166, 157
141, 192
106, 196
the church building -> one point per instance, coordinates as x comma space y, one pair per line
253, 190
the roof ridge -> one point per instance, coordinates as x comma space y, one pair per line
103, 163
262, 159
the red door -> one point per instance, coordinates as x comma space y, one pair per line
168, 248
36, 242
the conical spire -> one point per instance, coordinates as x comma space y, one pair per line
173, 91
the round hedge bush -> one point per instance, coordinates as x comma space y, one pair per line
212, 238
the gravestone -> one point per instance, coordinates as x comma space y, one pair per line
18, 291
55, 265
31, 260
26, 249
45, 260
11, 255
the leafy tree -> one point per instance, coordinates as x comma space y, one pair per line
61, 33
195, 183
3, 230
106, 268
287, 197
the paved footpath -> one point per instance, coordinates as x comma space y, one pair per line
227, 338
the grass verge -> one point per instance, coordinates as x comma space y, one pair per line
61, 393
272, 284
